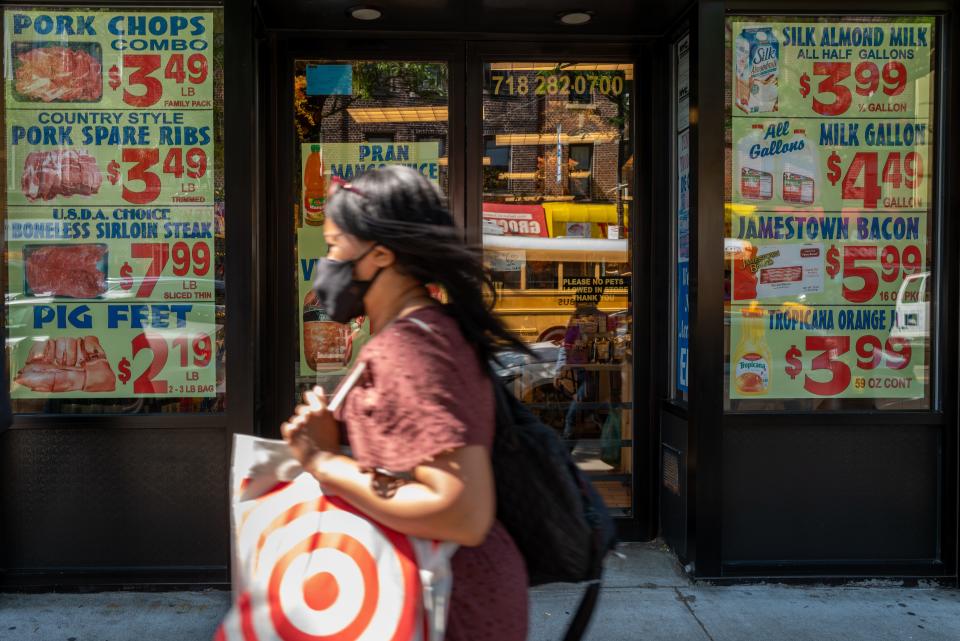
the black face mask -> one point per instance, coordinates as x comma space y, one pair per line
339, 293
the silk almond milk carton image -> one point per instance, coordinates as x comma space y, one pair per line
758, 65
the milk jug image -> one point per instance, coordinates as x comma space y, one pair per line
801, 174
756, 173
758, 67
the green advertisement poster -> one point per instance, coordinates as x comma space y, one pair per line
110, 200
325, 346
805, 351
86, 350
116, 59
856, 69
830, 180
106, 254
832, 165
821, 259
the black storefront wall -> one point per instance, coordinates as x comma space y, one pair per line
107, 500
802, 494
142, 500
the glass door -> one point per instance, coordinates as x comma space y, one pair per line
558, 154
351, 116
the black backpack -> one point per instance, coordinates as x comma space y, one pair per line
555, 516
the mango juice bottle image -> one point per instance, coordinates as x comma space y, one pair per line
314, 187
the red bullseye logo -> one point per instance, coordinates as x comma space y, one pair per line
318, 570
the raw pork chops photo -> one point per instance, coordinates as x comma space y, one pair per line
59, 74
66, 270
67, 364
60, 172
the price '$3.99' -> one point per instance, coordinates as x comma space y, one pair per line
873, 355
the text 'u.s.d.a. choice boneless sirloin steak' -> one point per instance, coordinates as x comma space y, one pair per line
67, 364
60, 172
66, 270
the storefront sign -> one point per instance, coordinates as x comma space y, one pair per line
324, 345
110, 203
831, 180
682, 347
514, 220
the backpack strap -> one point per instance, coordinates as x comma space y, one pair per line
581, 618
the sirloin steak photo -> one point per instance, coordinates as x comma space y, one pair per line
66, 270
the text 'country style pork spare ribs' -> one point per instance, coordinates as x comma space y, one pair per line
68, 364
60, 172
59, 73
66, 270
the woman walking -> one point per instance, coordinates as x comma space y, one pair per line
420, 420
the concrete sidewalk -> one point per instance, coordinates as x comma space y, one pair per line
645, 597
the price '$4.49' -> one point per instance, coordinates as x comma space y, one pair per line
865, 182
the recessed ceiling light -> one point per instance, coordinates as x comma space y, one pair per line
365, 13
575, 18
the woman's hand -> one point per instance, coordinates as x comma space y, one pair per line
312, 429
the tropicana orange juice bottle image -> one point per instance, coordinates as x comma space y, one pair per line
752, 355
314, 187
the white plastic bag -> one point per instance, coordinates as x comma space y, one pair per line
309, 566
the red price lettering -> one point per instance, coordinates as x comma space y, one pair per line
184, 258
196, 165
196, 69
148, 383
202, 349
861, 179
159, 254
867, 77
852, 254
896, 353
142, 67
143, 160
891, 260
835, 72
831, 348
863, 162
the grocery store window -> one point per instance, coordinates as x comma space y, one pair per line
114, 245
828, 251
581, 165
496, 165
557, 208
399, 110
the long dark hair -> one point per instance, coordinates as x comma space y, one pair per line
398, 208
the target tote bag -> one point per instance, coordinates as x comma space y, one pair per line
311, 567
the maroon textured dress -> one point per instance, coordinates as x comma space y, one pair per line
423, 393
